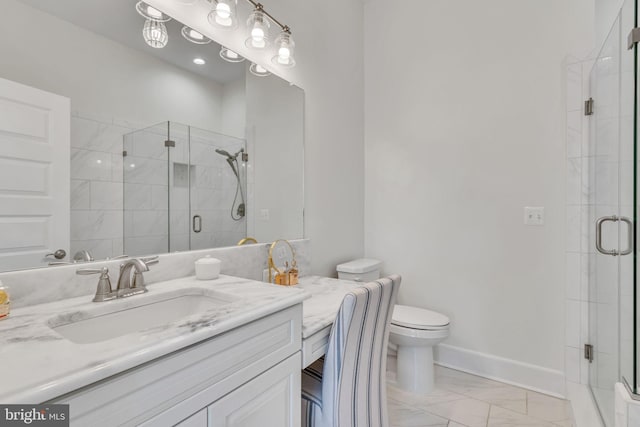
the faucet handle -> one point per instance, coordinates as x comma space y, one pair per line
103, 291
151, 260
88, 271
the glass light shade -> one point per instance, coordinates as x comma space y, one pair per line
258, 26
284, 50
258, 70
151, 12
155, 34
229, 55
223, 14
193, 36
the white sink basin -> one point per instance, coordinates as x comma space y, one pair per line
111, 319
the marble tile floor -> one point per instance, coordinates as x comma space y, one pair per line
464, 400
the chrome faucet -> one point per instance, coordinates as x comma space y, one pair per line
125, 286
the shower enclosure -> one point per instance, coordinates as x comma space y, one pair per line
184, 188
611, 215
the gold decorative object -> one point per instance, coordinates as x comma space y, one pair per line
288, 276
246, 240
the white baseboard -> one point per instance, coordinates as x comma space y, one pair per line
508, 371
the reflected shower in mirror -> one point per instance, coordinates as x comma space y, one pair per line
163, 141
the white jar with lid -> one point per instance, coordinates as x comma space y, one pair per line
208, 268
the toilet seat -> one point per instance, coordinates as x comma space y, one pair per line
418, 318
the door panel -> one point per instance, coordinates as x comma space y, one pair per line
34, 175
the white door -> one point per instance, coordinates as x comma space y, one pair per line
34, 175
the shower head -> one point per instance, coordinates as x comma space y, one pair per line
229, 156
224, 153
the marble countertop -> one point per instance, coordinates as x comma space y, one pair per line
37, 364
321, 309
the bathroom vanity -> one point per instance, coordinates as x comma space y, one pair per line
232, 359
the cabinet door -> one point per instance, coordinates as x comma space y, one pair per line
270, 400
199, 419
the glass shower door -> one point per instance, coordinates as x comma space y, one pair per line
218, 189
145, 181
610, 192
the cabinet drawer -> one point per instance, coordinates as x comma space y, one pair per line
179, 384
272, 399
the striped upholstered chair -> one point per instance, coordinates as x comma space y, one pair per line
348, 388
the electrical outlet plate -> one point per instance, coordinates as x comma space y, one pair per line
533, 215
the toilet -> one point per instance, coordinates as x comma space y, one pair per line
414, 331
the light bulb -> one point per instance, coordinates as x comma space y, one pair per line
196, 35
258, 70
223, 14
284, 53
223, 10
153, 12
257, 34
229, 55
150, 12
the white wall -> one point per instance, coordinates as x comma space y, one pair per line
605, 13
330, 70
274, 135
234, 108
464, 107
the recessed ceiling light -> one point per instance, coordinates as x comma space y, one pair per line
193, 36
229, 55
199, 61
258, 70
152, 13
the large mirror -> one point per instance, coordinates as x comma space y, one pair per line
169, 149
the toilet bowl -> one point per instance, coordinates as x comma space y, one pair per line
413, 330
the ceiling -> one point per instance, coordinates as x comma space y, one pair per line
118, 20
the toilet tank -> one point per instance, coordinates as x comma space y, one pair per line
360, 270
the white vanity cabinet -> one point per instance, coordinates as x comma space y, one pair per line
248, 376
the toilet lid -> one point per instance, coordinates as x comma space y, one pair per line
418, 318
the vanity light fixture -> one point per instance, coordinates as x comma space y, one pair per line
258, 26
229, 55
155, 34
151, 13
223, 14
199, 61
193, 36
258, 70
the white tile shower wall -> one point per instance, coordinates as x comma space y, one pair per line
578, 231
166, 188
96, 184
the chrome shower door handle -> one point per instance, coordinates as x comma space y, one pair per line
629, 236
599, 223
196, 224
